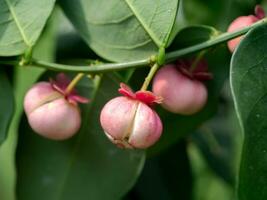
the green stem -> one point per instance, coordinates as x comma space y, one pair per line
74, 82
149, 77
217, 40
99, 68
171, 56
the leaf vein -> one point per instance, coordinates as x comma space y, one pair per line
147, 29
115, 21
253, 67
253, 106
125, 47
13, 13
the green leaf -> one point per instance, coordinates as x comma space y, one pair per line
206, 11
168, 175
88, 166
180, 22
70, 45
217, 13
123, 30
24, 78
193, 35
21, 23
215, 140
6, 105
249, 88
207, 186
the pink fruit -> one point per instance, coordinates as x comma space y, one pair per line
129, 121
241, 22
181, 90
51, 112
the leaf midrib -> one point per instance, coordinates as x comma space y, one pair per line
147, 29
13, 13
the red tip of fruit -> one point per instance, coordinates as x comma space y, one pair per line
200, 72
61, 83
146, 97
259, 12
126, 91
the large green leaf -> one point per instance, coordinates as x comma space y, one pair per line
24, 77
249, 88
6, 105
207, 186
192, 35
215, 141
217, 13
166, 176
21, 23
85, 167
123, 29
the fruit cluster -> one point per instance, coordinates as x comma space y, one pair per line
130, 120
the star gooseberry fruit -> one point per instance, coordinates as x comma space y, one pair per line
129, 121
53, 112
182, 89
242, 22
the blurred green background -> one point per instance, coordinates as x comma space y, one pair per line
201, 166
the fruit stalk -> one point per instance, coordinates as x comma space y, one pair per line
150, 76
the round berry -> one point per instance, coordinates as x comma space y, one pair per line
130, 122
180, 94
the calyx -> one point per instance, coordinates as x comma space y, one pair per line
61, 84
200, 72
146, 97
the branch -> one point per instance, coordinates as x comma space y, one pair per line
171, 56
